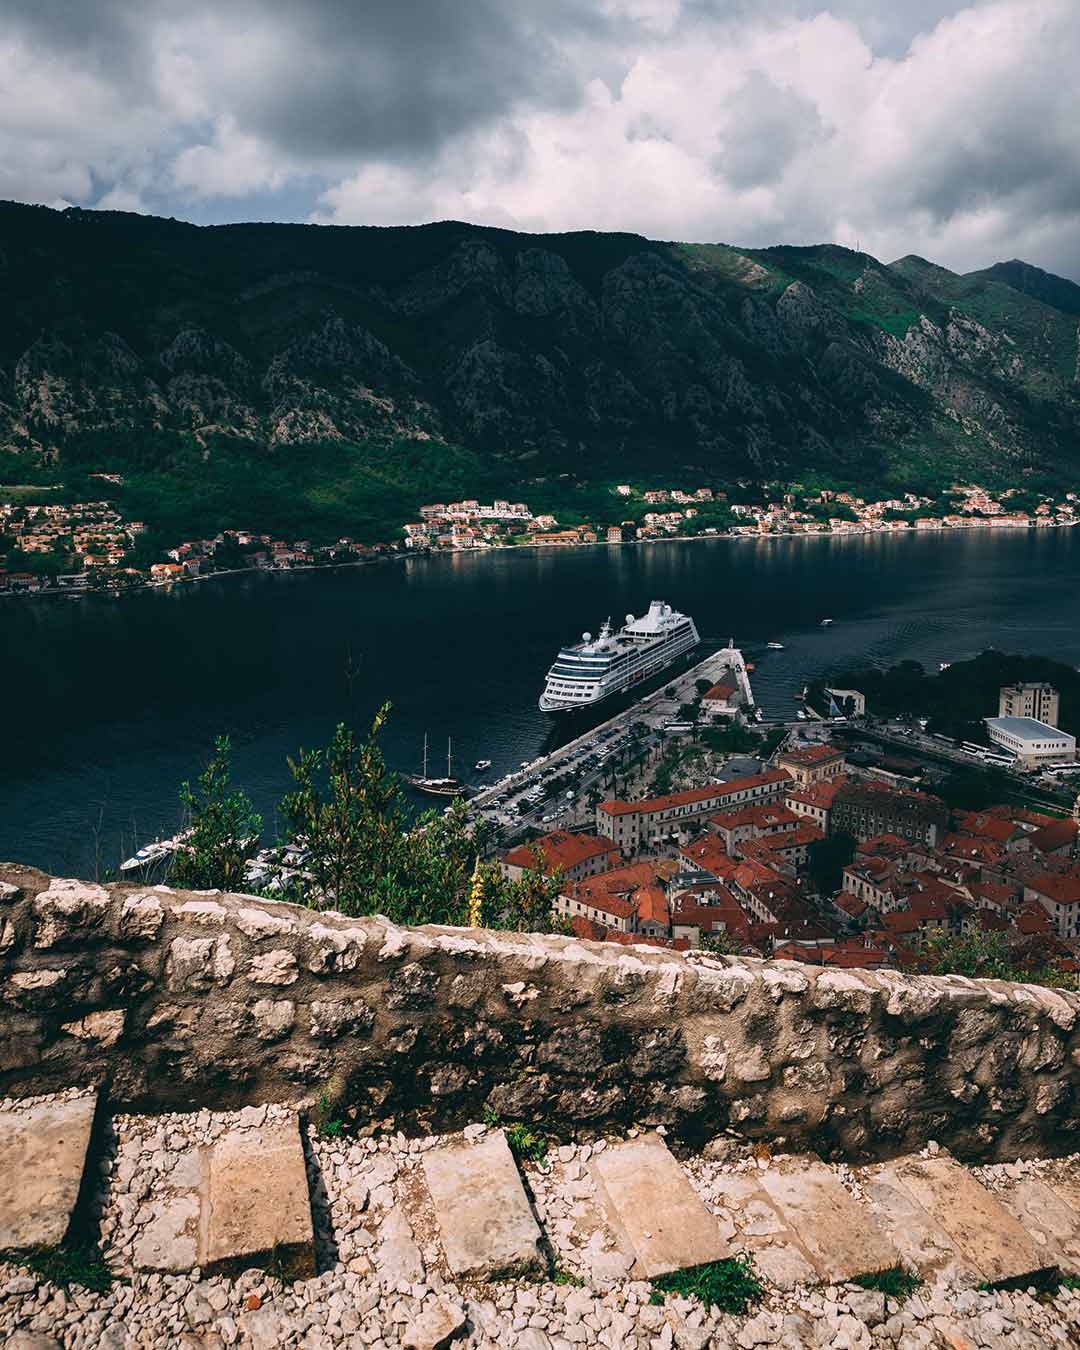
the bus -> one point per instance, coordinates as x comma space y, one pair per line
1004, 760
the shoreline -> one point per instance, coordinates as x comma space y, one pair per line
403, 555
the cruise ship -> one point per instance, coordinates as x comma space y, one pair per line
598, 667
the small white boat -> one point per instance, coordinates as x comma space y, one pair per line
825, 623
481, 765
775, 646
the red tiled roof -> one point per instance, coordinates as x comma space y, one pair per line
649, 805
845, 955
651, 905
721, 691
967, 846
884, 846
760, 814
1055, 886
817, 794
1050, 838
710, 855
810, 754
561, 850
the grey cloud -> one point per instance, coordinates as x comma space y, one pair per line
769, 127
291, 100
888, 26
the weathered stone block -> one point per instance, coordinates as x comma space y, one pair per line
333, 949
840, 1237
139, 918
329, 1020
70, 912
274, 1018
258, 1202
262, 923
104, 1028
487, 1226
204, 913
43, 1153
198, 963
411, 988
650, 1203
276, 967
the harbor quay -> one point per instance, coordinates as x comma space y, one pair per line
658, 712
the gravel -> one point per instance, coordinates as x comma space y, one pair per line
383, 1282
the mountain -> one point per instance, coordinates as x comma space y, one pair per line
1033, 281
357, 360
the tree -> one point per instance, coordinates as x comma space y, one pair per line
826, 859
224, 829
365, 856
978, 954
985, 955
720, 942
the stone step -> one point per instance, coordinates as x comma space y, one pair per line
980, 1227
1050, 1219
922, 1242
652, 1206
43, 1154
758, 1225
487, 1224
242, 1201
841, 1237
257, 1205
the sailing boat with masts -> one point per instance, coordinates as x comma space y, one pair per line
438, 787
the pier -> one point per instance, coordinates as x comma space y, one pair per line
656, 710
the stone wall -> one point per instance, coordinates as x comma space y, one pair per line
178, 1000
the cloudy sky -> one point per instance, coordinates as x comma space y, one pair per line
927, 126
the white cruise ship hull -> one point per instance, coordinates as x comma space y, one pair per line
594, 671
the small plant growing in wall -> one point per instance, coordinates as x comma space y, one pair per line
526, 1144
328, 1122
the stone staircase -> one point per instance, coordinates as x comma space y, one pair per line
420, 1240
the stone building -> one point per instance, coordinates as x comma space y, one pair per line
1039, 701
867, 809
812, 764
634, 825
576, 856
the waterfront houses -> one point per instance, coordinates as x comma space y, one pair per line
54, 540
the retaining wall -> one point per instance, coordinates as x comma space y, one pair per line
179, 1000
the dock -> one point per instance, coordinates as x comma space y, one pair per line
656, 710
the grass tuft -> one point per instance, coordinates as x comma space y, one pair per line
731, 1285
895, 1282
65, 1266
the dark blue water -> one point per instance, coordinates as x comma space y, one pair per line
108, 704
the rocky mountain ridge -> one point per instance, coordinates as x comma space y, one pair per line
130, 335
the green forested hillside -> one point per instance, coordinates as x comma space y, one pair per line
337, 376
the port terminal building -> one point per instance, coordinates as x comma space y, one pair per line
1033, 743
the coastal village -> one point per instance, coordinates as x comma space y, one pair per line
90, 546
736, 866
